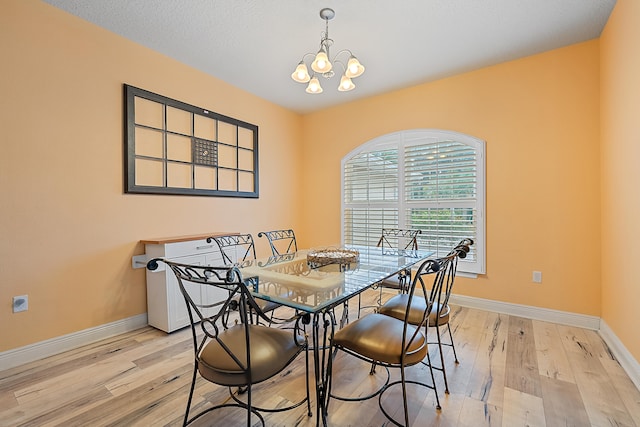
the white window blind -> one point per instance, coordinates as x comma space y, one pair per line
422, 179
371, 193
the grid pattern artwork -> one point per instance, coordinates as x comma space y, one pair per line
177, 148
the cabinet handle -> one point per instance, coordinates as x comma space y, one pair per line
204, 247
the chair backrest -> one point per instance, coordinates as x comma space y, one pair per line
281, 241
235, 248
426, 284
399, 238
459, 251
211, 317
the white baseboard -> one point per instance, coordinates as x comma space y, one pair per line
619, 351
22, 355
626, 360
529, 312
50, 347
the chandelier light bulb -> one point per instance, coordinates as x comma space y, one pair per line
346, 84
354, 67
314, 86
301, 74
321, 64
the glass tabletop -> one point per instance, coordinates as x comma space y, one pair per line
294, 282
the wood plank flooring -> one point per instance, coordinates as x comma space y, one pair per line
512, 372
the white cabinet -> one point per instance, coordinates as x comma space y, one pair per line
166, 308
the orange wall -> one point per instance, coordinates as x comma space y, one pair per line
67, 230
539, 117
620, 118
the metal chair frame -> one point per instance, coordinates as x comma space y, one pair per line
396, 235
435, 268
281, 241
213, 329
443, 309
236, 249
439, 300
285, 239
392, 238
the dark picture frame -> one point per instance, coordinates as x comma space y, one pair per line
172, 147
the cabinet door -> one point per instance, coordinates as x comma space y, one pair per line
200, 294
165, 304
177, 307
213, 294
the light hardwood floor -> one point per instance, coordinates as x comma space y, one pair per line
512, 372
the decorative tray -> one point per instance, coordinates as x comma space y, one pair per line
320, 257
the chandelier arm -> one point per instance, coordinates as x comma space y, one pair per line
307, 54
343, 51
336, 60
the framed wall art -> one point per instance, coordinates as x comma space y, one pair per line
175, 148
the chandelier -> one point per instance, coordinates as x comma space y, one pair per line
322, 66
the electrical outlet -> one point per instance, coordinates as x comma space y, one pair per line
20, 303
537, 277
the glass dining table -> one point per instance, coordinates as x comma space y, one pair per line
314, 289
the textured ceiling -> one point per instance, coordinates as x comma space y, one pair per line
256, 44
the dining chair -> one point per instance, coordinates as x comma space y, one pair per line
238, 249
392, 239
390, 342
238, 355
280, 241
399, 238
235, 248
439, 315
283, 243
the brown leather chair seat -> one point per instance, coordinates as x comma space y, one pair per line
264, 305
379, 338
393, 282
272, 349
397, 306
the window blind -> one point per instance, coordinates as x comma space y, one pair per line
440, 194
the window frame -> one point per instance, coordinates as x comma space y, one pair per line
406, 138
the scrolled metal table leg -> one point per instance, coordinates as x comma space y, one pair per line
322, 359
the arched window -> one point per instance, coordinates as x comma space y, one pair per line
427, 179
